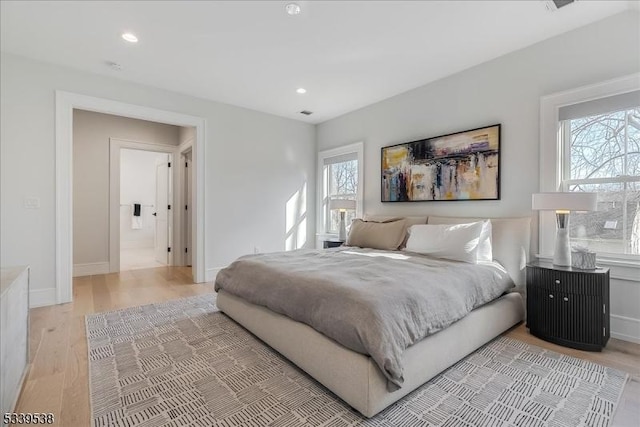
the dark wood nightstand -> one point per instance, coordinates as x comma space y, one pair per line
331, 243
568, 306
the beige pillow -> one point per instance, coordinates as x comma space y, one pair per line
377, 235
411, 220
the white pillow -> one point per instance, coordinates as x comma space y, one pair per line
485, 248
461, 242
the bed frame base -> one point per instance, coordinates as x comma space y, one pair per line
354, 377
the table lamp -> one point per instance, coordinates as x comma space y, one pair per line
342, 205
563, 204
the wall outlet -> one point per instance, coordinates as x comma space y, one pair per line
31, 203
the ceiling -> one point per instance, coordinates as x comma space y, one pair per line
346, 54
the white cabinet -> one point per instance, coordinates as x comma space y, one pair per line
14, 334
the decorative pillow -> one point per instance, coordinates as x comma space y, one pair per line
411, 220
377, 235
469, 242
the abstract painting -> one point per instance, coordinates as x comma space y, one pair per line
458, 166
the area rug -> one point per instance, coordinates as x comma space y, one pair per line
184, 363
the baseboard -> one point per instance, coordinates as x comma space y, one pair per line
625, 328
42, 297
211, 274
90, 269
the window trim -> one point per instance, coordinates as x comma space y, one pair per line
358, 149
551, 148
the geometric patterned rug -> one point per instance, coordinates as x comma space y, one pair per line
183, 363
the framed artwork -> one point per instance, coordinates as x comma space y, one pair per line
458, 166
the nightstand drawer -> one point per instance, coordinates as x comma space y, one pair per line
566, 281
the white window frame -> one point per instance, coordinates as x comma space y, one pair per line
551, 154
358, 149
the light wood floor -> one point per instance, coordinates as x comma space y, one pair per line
58, 378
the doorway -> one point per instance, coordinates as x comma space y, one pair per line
140, 173
66, 102
145, 218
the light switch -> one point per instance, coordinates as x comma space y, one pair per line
32, 203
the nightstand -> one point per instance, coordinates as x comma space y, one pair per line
568, 306
331, 243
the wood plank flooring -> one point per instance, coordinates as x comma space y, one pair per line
58, 378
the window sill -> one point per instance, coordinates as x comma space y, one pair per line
327, 236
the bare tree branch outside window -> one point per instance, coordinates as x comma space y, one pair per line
343, 184
605, 158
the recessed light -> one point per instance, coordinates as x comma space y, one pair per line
130, 37
301, 90
293, 9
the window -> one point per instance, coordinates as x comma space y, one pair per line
601, 153
588, 136
342, 181
340, 177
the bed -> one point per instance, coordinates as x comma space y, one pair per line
359, 378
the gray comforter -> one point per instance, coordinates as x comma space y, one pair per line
372, 302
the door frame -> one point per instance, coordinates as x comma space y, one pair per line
184, 199
65, 102
179, 257
115, 145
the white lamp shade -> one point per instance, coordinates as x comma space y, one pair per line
564, 201
342, 204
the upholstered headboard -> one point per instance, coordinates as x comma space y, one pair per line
510, 242
411, 220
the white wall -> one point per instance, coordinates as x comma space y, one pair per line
91, 133
138, 185
254, 163
506, 90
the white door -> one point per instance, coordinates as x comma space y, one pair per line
163, 212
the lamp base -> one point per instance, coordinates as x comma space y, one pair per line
562, 253
342, 235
